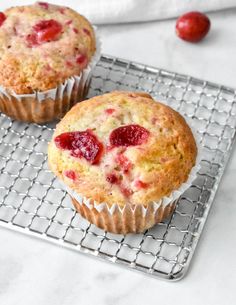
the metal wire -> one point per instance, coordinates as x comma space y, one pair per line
32, 201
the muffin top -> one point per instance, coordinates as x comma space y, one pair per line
122, 147
41, 45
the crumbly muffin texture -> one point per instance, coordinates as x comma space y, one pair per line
122, 147
41, 45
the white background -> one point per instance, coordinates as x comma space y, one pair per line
36, 272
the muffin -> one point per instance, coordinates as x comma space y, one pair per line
123, 157
46, 56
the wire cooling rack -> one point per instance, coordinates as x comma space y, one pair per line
32, 200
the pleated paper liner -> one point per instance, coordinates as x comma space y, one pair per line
132, 218
135, 219
46, 106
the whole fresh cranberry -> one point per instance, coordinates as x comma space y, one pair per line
192, 26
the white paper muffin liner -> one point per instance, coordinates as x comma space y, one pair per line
132, 218
46, 106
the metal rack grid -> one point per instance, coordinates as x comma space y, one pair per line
32, 200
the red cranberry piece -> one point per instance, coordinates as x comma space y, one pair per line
44, 5
82, 60
64, 140
32, 40
109, 110
2, 18
129, 135
86, 31
192, 26
112, 178
75, 31
140, 184
70, 174
47, 30
126, 191
81, 144
124, 162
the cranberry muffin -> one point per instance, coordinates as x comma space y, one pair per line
127, 154
44, 52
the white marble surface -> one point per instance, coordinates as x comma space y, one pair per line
39, 273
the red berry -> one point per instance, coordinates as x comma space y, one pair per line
2, 18
112, 178
192, 26
47, 30
82, 60
64, 140
70, 174
44, 5
76, 31
140, 184
129, 135
86, 31
126, 191
109, 110
81, 144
